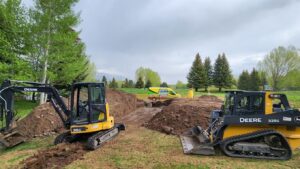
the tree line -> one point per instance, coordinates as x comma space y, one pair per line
279, 69
145, 78
203, 74
40, 43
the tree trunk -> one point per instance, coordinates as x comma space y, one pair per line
205, 88
220, 89
196, 89
43, 95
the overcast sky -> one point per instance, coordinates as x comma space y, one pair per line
165, 35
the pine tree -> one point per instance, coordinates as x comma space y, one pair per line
222, 73
113, 84
196, 74
104, 80
164, 84
148, 84
254, 80
126, 83
130, 84
208, 76
140, 83
244, 79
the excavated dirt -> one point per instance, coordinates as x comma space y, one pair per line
183, 114
55, 157
42, 121
121, 103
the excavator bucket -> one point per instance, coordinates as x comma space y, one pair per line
11, 139
196, 141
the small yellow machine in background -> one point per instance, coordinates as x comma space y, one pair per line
161, 93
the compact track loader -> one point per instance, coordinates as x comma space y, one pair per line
88, 116
249, 125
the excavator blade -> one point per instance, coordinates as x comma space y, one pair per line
196, 141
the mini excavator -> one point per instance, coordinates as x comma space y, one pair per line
88, 116
249, 125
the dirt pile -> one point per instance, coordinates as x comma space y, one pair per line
121, 103
42, 121
183, 114
55, 157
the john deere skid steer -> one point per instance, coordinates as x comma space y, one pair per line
250, 125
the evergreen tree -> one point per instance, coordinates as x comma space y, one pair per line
140, 83
104, 80
164, 84
130, 84
222, 74
148, 84
113, 84
126, 83
244, 79
208, 76
254, 80
196, 75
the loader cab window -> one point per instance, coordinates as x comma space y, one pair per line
243, 105
229, 103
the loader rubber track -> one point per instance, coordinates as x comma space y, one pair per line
277, 153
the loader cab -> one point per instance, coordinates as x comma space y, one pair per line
254, 103
244, 103
88, 104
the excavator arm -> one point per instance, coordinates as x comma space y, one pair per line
9, 135
7, 94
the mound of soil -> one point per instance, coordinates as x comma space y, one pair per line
55, 157
183, 114
121, 103
42, 121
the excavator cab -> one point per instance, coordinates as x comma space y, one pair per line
250, 124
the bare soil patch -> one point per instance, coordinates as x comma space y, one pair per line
183, 114
55, 157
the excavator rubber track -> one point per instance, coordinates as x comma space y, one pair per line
98, 139
254, 145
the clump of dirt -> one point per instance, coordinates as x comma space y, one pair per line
121, 103
55, 157
42, 121
162, 103
183, 114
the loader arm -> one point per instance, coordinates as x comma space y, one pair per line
7, 98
